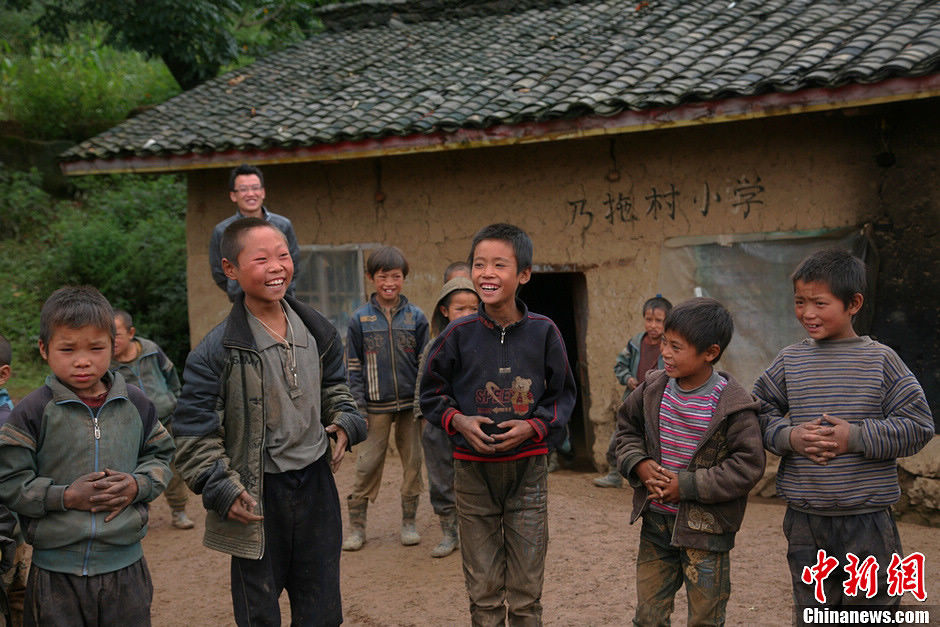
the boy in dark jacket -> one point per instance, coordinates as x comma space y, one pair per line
80, 459
383, 344
689, 442
498, 383
263, 393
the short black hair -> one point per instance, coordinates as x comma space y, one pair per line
6, 351
842, 271
456, 266
519, 240
657, 302
75, 307
125, 317
231, 245
702, 322
385, 259
244, 170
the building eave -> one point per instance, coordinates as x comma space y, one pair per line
713, 112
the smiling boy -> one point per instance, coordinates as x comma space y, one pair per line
498, 383
263, 393
383, 345
839, 409
689, 442
80, 459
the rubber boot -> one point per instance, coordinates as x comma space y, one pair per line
357, 523
611, 480
409, 533
450, 541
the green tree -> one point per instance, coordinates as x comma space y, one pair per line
194, 38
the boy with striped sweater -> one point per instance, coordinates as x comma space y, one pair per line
839, 409
689, 442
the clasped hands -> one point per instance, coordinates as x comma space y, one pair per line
661, 484
821, 439
514, 432
102, 491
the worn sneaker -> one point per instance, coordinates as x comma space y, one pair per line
181, 520
610, 480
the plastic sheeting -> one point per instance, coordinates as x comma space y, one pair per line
750, 275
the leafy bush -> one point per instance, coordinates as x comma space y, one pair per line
79, 88
126, 236
24, 206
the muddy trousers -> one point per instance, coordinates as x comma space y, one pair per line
370, 461
661, 569
121, 597
502, 513
302, 537
439, 461
865, 535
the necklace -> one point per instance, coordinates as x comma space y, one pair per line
291, 369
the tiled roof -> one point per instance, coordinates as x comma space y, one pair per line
476, 67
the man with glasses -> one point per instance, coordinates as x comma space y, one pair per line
246, 189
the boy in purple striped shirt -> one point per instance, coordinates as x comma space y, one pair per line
839, 409
689, 442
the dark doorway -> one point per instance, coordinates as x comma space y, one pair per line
562, 296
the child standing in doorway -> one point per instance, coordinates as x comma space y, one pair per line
640, 356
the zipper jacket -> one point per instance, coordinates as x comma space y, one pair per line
219, 422
520, 372
52, 439
726, 464
382, 355
153, 372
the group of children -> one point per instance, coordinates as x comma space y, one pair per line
838, 409
268, 409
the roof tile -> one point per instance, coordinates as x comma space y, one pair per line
481, 63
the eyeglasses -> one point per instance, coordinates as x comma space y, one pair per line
244, 189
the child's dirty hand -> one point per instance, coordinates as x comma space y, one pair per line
814, 440
243, 509
654, 477
632, 383
115, 491
339, 448
670, 491
514, 433
78, 494
471, 428
839, 433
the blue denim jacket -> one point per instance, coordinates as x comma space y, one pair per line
382, 355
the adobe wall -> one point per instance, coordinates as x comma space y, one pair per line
784, 174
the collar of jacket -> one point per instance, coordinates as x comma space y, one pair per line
492, 324
60, 393
733, 399
264, 214
238, 334
402, 301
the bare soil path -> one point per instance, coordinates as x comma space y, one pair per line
589, 578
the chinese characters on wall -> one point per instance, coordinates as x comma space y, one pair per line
663, 203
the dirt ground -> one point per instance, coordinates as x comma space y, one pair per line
589, 573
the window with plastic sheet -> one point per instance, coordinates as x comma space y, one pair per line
330, 279
750, 274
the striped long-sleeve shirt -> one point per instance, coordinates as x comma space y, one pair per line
862, 382
684, 417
